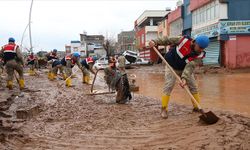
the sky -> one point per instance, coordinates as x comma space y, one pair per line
57, 22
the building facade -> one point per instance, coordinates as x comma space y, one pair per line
175, 22
228, 30
126, 41
93, 44
163, 29
146, 29
187, 18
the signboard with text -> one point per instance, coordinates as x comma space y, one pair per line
234, 27
210, 31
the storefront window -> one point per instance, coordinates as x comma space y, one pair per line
217, 10
212, 13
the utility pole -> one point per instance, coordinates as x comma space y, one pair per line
23, 35
31, 47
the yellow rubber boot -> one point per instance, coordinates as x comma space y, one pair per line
52, 76
31, 72
10, 85
83, 79
49, 75
68, 82
164, 103
21, 84
87, 79
197, 97
64, 76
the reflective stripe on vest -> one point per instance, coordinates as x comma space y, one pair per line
183, 48
89, 60
10, 48
9, 52
201, 56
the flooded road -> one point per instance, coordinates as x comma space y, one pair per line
224, 91
50, 116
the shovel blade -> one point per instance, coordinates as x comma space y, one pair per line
209, 117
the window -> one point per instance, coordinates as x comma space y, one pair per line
212, 13
206, 13
209, 13
217, 10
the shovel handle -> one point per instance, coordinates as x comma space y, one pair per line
69, 77
72, 74
93, 82
178, 78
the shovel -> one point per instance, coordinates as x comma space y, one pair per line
60, 85
93, 92
208, 117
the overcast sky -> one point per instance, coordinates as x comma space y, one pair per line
57, 22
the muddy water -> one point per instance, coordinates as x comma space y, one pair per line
224, 91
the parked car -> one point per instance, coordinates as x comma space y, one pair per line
101, 63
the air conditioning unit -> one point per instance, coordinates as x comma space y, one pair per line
168, 9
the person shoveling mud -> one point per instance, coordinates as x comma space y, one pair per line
183, 57
117, 81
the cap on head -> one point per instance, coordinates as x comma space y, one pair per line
202, 41
54, 50
11, 39
75, 54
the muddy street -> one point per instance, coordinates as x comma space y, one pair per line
225, 90
48, 117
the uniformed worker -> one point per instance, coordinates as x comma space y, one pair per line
183, 58
13, 60
68, 63
87, 65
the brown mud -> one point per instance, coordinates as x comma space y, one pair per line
67, 118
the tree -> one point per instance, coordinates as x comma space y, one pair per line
109, 45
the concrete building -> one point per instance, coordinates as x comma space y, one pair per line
228, 30
175, 22
163, 29
126, 41
93, 44
146, 28
187, 18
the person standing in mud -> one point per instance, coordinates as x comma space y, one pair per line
117, 81
52, 60
13, 60
121, 64
31, 62
68, 63
183, 58
87, 65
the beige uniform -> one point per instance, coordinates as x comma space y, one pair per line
121, 64
187, 73
68, 67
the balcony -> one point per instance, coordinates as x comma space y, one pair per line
151, 29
